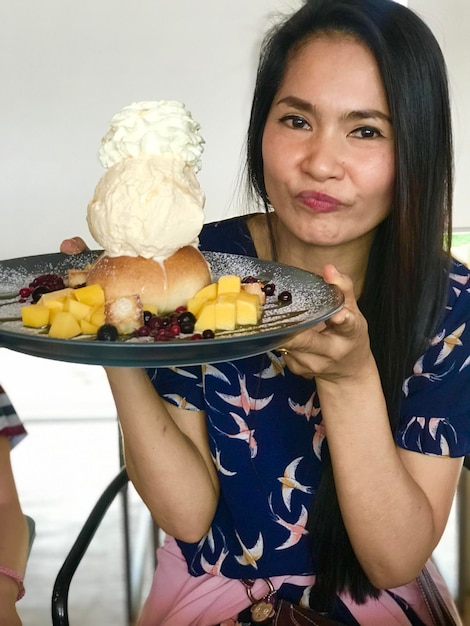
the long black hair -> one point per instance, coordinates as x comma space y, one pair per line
406, 281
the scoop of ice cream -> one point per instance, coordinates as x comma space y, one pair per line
163, 127
147, 206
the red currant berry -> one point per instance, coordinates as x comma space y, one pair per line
154, 323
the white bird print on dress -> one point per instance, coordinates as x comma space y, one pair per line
215, 568
307, 409
210, 370
465, 364
180, 402
318, 438
244, 400
296, 530
433, 425
462, 280
218, 465
276, 367
182, 372
450, 342
419, 371
250, 556
289, 482
244, 433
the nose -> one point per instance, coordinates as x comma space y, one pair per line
323, 158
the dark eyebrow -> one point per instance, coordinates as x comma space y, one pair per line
364, 114
369, 114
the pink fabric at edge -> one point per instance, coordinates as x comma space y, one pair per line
178, 599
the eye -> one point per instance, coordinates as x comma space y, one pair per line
295, 121
366, 132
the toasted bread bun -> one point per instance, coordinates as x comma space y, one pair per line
166, 285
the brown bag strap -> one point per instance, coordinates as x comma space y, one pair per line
438, 609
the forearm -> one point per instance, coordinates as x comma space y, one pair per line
381, 504
14, 538
172, 471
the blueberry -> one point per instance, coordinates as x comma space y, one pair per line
186, 316
269, 289
147, 316
187, 327
37, 292
107, 332
285, 297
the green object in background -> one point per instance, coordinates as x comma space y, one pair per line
460, 239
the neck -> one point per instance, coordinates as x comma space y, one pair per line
350, 258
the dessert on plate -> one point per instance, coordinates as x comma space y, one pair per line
147, 212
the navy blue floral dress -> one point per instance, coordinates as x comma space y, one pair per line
267, 439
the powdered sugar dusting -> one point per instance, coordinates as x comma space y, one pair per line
313, 301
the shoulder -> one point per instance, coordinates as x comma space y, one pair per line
229, 235
457, 311
436, 405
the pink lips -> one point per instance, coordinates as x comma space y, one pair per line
319, 202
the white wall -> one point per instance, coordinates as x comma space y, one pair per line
66, 67
449, 20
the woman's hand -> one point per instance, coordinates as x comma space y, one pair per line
75, 245
337, 349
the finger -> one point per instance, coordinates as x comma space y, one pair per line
334, 277
74, 245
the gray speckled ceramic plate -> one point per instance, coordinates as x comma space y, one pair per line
313, 301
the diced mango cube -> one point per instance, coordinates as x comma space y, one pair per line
35, 315
97, 316
52, 313
64, 326
194, 305
206, 318
56, 296
79, 310
88, 328
91, 294
255, 288
54, 305
226, 312
248, 309
209, 292
228, 284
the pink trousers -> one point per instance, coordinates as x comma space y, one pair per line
178, 599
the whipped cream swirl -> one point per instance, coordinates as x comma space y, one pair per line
161, 128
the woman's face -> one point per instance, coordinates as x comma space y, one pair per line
328, 146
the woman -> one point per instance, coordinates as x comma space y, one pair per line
14, 535
313, 469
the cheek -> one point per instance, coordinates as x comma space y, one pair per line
276, 161
384, 179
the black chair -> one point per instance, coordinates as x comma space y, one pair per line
64, 578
